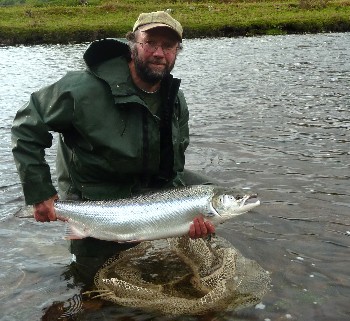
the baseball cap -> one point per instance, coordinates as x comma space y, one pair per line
147, 21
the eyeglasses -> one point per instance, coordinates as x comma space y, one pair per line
151, 47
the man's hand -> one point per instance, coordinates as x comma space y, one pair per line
201, 228
44, 211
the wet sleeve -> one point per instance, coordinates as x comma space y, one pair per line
50, 109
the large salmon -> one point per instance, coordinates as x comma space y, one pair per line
150, 216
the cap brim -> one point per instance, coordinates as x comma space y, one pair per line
152, 25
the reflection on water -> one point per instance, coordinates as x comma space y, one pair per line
268, 114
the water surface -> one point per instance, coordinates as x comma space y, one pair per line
267, 115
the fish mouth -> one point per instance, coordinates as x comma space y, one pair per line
247, 199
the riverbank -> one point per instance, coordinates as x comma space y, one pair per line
36, 23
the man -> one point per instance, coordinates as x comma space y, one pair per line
122, 124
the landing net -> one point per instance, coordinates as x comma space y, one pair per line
182, 276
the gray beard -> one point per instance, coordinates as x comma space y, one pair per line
147, 74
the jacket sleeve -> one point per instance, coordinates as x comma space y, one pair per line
50, 109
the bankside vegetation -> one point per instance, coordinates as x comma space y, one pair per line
58, 21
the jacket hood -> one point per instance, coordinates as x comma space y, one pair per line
105, 49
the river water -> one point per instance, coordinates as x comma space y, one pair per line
268, 115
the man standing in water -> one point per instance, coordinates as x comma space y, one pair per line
122, 124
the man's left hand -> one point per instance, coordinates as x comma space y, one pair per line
201, 228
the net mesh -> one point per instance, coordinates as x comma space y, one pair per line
182, 276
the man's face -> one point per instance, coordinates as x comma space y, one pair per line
154, 54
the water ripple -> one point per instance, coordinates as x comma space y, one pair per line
268, 115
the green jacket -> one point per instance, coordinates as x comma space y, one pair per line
110, 144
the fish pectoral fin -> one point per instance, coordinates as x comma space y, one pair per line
73, 233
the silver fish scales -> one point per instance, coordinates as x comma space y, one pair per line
150, 216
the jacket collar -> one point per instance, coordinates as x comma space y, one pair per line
108, 60
116, 73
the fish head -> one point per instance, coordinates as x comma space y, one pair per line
227, 205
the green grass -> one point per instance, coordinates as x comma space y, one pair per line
57, 21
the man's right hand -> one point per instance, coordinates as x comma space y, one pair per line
44, 211
201, 228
